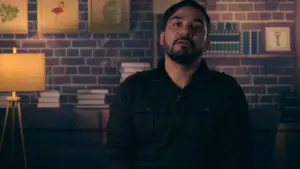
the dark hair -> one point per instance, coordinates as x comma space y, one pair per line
172, 9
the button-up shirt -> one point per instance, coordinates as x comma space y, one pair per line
154, 124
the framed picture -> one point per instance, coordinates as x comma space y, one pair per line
160, 6
57, 16
278, 39
14, 16
109, 16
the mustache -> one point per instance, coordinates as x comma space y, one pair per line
184, 39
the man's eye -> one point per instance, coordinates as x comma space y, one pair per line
177, 24
196, 27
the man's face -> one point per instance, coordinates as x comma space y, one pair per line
185, 36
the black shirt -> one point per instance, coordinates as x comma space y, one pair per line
154, 124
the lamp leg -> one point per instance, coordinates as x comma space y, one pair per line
14, 106
4, 124
22, 135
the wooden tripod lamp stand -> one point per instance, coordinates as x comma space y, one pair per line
20, 72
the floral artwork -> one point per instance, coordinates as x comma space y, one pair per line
8, 12
14, 16
58, 16
109, 16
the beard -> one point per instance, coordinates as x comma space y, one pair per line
185, 55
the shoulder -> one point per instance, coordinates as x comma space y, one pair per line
139, 77
226, 82
229, 88
138, 80
224, 78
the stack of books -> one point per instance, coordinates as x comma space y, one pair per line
91, 98
3, 99
129, 68
225, 39
251, 42
49, 99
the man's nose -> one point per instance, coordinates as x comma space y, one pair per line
185, 31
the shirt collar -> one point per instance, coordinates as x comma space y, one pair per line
203, 73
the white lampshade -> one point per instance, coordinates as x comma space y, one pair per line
22, 72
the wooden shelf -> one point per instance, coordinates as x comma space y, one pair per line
249, 56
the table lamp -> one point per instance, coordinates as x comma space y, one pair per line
20, 72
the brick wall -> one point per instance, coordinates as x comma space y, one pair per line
264, 77
92, 60
84, 59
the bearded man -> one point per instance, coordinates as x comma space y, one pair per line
181, 115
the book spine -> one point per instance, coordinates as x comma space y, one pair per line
241, 43
254, 42
246, 42
91, 102
220, 26
250, 42
259, 44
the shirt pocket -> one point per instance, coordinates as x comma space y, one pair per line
149, 121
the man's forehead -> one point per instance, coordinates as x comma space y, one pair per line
188, 12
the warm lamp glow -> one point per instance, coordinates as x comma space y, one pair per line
22, 72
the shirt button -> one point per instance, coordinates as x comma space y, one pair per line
178, 97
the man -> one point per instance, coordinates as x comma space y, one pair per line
180, 115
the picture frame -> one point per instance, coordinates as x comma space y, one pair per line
57, 16
159, 6
278, 39
14, 17
109, 16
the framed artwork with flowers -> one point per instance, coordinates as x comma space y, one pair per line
14, 16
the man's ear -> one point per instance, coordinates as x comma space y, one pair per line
161, 38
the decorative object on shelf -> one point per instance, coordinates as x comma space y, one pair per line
129, 68
20, 72
109, 16
278, 39
49, 99
14, 16
91, 98
58, 16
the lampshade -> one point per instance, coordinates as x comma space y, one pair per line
22, 72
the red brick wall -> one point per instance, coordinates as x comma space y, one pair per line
252, 13
262, 77
92, 60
